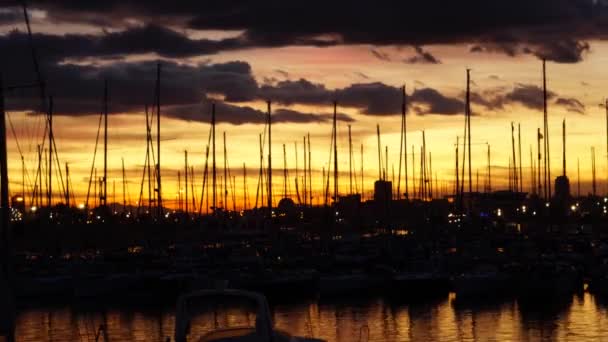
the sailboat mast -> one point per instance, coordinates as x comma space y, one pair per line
379, 153
244, 187
50, 166
593, 171
124, 187
564, 147
546, 137
540, 183
401, 143
159, 197
362, 190
521, 177
39, 196
186, 178
213, 167
405, 140
514, 182
67, 185
350, 161
269, 195
284, 172
305, 170
309, 170
335, 152
489, 171
226, 179
105, 144
457, 187
469, 134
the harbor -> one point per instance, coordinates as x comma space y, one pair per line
155, 186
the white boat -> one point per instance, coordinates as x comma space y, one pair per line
263, 331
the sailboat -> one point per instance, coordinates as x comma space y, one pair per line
262, 331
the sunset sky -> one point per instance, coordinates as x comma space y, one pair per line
303, 55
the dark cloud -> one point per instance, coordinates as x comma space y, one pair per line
283, 73
526, 95
239, 115
552, 48
301, 91
571, 104
383, 56
374, 98
135, 40
362, 75
553, 29
78, 88
562, 51
10, 15
430, 101
422, 57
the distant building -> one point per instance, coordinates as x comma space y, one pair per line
562, 188
383, 191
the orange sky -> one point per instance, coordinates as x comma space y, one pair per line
338, 67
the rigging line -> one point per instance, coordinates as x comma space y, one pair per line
146, 164
58, 167
18, 147
200, 208
261, 174
329, 164
86, 203
143, 178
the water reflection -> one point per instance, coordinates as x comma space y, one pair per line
583, 318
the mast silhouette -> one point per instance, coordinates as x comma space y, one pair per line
159, 197
269, 195
304, 190
539, 182
335, 152
103, 198
124, 187
350, 161
284, 172
186, 179
468, 113
547, 180
226, 179
309, 169
213, 166
50, 166
489, 171
521, 177
564, 147
594, 185
514, 183
379, 153
244, 187
67, 185
457, 187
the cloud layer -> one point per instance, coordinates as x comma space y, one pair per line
556, 30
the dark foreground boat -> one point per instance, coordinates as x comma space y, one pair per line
263, 331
